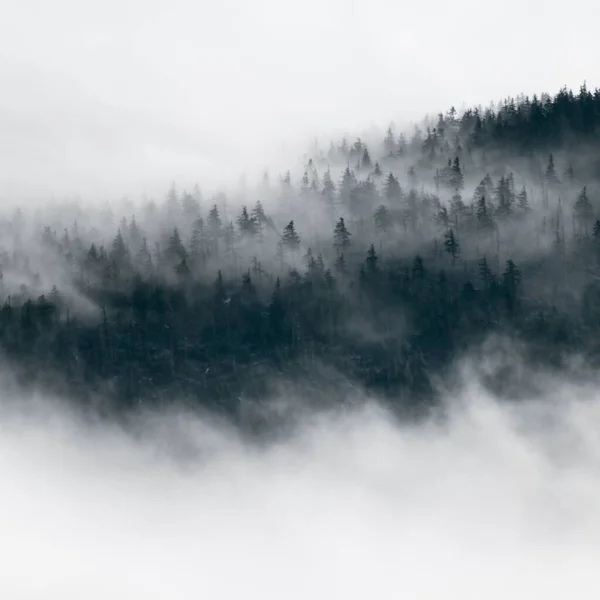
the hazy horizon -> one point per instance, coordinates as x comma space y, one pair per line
117, 98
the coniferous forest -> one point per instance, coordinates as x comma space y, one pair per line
378, 264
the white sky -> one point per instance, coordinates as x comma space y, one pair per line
121, 94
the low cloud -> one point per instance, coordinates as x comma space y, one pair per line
483, 499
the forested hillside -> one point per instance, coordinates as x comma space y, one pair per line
377, 265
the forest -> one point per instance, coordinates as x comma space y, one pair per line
377, 264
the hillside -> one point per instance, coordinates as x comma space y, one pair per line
378, 266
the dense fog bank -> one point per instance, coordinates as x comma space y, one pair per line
481, 499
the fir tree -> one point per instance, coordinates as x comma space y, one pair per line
389, 143
418, 268
175, 249
371, 260
290, 239
340, 264
366, 160
246, 224
482, 213
551, 176
456, 175
451, 244
341, 236
485, 274
522, 201
382, 219
392, 189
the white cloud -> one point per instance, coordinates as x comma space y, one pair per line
492, 502
125, 93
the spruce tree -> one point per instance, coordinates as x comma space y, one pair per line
451, 244
290, 239
341, 236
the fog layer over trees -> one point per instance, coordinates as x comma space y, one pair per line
378, 264
373, 376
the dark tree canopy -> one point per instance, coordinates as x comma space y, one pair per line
473, 225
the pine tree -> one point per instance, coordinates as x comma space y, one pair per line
229, 240
382, 219
259, 217
197, 245
135, 235
290, 239
480, 191
522, 201
456, 179
144, 259
305, 184
451, 244
277, 309
340, 265
246, 224
371, 260
182, 270
457, 207
418, 268
482, 213
175, 249
173, 204
429, 144
341, 236
401, 146
392, 190
389, 143
248, 291
366, 160
485, 273
309, 260
119, 252
551, 176
512, 280
503, 198
442, 218
328, 191
191, 205
570, 174
583, 210
286, 182
583, 206
214, 222
220, 294
347, 184
412, 176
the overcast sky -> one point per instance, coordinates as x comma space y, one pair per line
100, 97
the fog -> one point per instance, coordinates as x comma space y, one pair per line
112, 98
482, 500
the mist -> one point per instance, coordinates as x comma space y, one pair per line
481, 499
241, 297
124, 97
